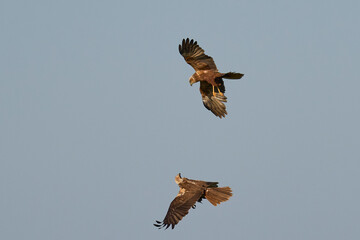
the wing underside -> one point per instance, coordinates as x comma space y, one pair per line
213, 102
179, 208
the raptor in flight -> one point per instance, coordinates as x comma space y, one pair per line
192, 191
212, 86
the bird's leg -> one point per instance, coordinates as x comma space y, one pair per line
218, 89
214, 94
221, 94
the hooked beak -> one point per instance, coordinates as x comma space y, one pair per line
192, 80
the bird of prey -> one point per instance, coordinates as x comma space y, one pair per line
192, 191
212, 87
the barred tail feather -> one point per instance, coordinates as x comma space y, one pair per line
217, 195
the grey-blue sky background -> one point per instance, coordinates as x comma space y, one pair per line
97, 117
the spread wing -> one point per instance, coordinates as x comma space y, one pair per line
179, 207
194, 55
213, 103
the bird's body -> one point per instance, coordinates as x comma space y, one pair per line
212, 87
192, 191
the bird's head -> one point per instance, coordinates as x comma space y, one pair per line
178, 178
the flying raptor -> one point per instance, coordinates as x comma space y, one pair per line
192, 191
212, 86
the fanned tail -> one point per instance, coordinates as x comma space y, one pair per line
233, 75
217, 195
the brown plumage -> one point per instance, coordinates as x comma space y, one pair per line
212, 86
192, 191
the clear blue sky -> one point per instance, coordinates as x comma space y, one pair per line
97, 117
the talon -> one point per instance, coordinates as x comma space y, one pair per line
214, 94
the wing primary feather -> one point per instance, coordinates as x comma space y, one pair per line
195, 56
